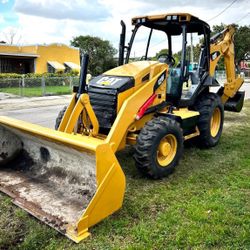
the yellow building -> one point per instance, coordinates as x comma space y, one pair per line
38, 58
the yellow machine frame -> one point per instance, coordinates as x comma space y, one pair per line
109, 175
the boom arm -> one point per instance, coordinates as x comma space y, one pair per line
222, 44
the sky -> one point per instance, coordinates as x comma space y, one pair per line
58, 21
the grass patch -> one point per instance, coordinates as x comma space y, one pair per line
37, 91
204, 204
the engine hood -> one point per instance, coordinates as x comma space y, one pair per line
134, 69
127, 76
118, 83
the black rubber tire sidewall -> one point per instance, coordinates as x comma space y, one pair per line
146, 155
164, 171
60, 117
206, 106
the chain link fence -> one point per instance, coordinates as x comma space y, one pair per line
39, 86
45, 86
221, 76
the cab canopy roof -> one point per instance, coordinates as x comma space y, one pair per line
172, 23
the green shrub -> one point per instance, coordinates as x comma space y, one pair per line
12, 80
38, 75
10, 75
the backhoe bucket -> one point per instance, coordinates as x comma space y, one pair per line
69, 181
235, 103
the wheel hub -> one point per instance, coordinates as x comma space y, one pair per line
167, 150
215, 122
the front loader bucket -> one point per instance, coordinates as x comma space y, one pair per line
69, 181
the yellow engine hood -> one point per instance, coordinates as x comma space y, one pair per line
137, 69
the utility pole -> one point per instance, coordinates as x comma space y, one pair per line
192, 50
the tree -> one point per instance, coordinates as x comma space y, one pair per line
101, 53
196, 50
242, 42
12, 36
161, 52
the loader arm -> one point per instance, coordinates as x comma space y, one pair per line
222, 44
73, 112
80, 104
130, 108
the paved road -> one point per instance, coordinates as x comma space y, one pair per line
45, 116
246, 88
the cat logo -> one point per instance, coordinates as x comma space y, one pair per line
106, 80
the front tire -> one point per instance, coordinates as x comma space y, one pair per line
60, 117
159, 147
211, 119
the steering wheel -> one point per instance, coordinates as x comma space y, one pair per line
166, 58
143, 58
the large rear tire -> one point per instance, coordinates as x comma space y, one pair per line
159, 147
211, 119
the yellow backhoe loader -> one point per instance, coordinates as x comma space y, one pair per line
70, 177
